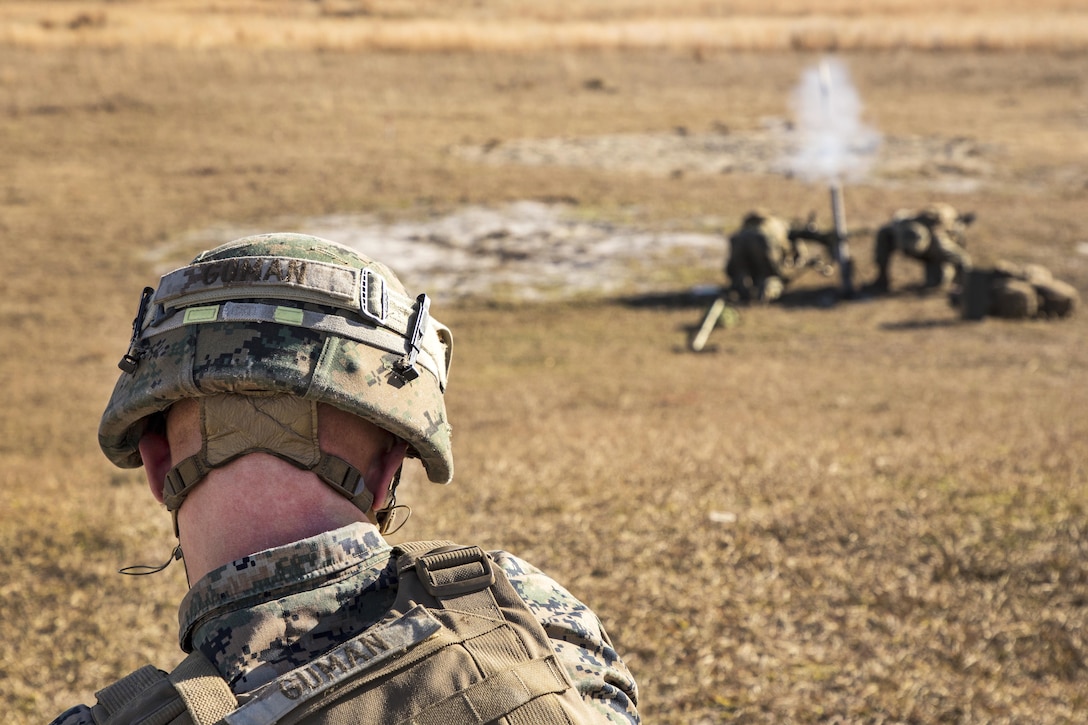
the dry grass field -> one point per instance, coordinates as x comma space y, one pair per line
869, 513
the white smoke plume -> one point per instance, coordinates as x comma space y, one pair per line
834, 144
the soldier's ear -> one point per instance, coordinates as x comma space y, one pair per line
382, 470
155, 452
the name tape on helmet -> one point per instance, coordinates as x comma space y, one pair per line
210, 292
300, 280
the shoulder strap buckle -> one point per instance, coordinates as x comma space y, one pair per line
451, 571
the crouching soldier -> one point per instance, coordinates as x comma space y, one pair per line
271, 392
762, 257
934, 236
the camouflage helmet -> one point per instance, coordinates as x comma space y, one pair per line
291, 314
939, 213
755, 217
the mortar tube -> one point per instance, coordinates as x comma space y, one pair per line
841, 252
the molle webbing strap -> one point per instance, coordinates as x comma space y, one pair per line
115, 696
145, 697
500, 694
458, 577
205, 693
516, 684
151, 697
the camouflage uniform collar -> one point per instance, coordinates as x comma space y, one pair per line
280, 572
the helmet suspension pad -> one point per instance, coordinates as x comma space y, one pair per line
284, 426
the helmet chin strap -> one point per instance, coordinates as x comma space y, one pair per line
145, 569
387, 517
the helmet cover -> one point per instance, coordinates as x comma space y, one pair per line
292, 314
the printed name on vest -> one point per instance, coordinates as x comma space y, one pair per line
325, 669
374, 646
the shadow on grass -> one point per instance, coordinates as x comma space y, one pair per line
925, 324
702, 297
822, 298
683, 300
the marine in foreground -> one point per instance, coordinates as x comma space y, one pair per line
272, 390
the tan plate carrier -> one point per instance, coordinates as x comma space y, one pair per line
459, 646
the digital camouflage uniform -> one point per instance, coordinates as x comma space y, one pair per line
259, 332
934, 236
762, 257
317, 593
1016, 292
